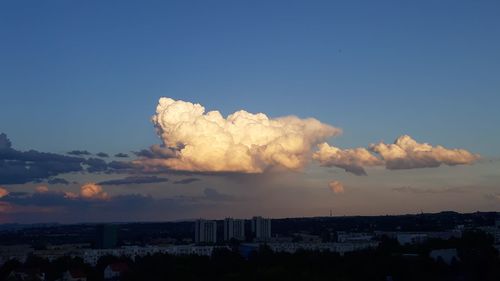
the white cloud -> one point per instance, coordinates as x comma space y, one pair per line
351, 160
195, 140
405, 153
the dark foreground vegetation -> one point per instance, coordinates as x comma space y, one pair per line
477, 260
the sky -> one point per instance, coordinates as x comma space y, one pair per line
404, 99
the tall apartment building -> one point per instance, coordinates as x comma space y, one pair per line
261, 227
106, 236
205, 231
234, 228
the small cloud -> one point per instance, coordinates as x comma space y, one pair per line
186, 181
57, 181
336, 187
79, 152
3, 192
134, 180
102, 155
121, 155
70, 195
414, 190
93, 191
42, 189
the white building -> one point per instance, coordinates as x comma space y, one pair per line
340, 248
205, 231
234, 228
353, 237
411, 238
261, 227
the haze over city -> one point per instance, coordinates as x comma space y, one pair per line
162, 111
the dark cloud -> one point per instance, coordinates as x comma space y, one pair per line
121, 155
102, 154
124, 167
57, 181
186, 181
58, 207
18, 167
134, 180
96, 165
144, 153
4, 142
79, 152
214, 195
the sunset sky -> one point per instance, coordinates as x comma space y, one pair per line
169, 110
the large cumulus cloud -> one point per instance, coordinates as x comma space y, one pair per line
404, 153
195, 140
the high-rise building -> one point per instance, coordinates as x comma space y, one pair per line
234, 228
205, 231
107, 236
261, 227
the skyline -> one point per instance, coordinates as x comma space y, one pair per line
168, 111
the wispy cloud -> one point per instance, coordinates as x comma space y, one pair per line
186, 181
134, 180
409, 189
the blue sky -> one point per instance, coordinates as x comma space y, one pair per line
88, 74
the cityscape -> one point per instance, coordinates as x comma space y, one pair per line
110, 251
236, 140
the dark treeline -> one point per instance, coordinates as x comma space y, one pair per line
478, 260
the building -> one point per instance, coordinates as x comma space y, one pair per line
107, 236
445, 255
15, 252
261, 228
234, 228
205, 231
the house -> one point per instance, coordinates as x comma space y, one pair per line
115, 270
24, 273
75, 274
